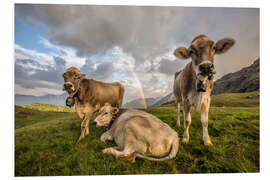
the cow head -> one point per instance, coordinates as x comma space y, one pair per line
202, 51
105, 115
72, 78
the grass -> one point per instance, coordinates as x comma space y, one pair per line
45, 142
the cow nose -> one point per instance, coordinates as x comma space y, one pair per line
206, 68
67, 85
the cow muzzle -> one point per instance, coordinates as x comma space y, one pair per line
96, 123
207, 69
68, 86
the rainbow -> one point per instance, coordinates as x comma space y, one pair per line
119, 50
140, 86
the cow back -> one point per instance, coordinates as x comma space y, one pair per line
96, 92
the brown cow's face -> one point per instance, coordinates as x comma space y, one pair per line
72, 78
106, 114
202, 51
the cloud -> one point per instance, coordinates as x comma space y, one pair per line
69, 54
170, 67
97, 29
112, 43
102, 71
31, 74
22, 53
38, 91
143, 32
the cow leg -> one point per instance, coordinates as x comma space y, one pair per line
178, 114
127, 153
83, 128
187, 122
85, 123
86, 130
204, 120
106, 136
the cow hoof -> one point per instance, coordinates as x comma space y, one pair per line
208, 143
103, 140
80, 138
106, 151
185, 140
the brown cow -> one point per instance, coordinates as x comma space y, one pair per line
193, 84
89, 95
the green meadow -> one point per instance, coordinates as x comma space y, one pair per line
46, 135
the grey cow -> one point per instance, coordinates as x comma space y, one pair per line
193, 84
137, 134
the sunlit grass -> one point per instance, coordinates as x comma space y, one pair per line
45, 142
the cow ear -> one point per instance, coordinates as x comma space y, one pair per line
181, 53
83, 75
115, 110
224, 45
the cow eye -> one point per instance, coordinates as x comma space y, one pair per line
214, 48
191, 51
76, 77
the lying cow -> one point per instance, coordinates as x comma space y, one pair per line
193, 84
137, 134
89, 95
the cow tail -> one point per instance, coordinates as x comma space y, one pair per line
172, 153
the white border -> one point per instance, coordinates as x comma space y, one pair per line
7, 87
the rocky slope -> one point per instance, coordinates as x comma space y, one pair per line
245, 80
139, 103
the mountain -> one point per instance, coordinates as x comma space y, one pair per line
165, 100
46, 99
139, 103
61, 99
244, 80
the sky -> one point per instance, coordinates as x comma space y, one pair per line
130, 44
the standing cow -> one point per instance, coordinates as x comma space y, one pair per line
193, 84
89, 95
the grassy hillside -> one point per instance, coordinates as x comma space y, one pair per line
236, 99
45, 142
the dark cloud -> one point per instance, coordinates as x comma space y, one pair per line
146, 32
100, 72
31, 74
53, 73
59, 62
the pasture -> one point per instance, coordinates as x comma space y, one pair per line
46, 135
